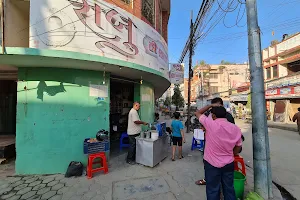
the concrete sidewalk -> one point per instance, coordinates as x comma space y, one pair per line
167, 181
283, 126
280, 125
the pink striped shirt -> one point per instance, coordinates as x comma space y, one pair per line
221, 137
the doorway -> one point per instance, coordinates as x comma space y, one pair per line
121, 101
8, 101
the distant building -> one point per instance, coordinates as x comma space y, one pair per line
282, 77
218, 81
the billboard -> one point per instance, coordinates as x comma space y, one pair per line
177, 73
96, 28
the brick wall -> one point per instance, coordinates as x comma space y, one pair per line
165, 21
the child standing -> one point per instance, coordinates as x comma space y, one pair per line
177, 135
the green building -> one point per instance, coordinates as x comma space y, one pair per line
72, 68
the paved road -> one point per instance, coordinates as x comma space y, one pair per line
285, 156
167, 181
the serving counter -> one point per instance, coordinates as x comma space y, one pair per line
150, 152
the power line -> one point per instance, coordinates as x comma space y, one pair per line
69, 22
44, 18
200, 15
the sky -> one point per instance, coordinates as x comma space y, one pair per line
275, 17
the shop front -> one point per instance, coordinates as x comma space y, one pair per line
283, 97
85, 66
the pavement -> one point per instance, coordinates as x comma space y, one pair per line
285, 157
167, 181
290, 126
284, 126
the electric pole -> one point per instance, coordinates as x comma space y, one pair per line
202, 89
261, 149
2, 24
190, 74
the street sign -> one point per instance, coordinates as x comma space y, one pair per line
177, 73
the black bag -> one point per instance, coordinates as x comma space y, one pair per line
74, 169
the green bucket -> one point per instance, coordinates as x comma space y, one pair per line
239, 184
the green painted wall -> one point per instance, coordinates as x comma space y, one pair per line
53, 119
137, 92
147, 103
145, 95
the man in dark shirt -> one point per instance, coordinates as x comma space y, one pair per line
228, 117
296, 117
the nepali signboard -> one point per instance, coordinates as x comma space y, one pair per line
96, 28
177, 73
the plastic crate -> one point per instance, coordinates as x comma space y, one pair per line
95, 147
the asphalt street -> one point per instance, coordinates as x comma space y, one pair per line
285, 156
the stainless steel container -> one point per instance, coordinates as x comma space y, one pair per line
150, 152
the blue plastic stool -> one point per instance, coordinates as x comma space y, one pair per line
195, 144
123, 136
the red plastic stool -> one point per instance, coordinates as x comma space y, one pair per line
239, 160
91, 161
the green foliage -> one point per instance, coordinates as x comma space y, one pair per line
224, 62
248, 105
221, 67
167, 101
177, 98
202, 62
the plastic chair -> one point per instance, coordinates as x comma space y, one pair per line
196, 145
102, 163
159, 129
239, 164
122, 144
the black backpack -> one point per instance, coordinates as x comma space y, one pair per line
74, 169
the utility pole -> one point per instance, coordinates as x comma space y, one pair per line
190, 73
261, 149
2, 25
202, 89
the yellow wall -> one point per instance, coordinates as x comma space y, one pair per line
16, 23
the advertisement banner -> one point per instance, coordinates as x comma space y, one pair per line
283, 82
271, 92
177, 73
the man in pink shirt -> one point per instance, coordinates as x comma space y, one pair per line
223, 141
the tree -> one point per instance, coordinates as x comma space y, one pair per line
221, 68
248, 105
202, 62
167, 101
224, 62
177, 98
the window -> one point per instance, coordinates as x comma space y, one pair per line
213, 89
159, 25
213, 76
126, 1
148, 10
275, 71
268, 73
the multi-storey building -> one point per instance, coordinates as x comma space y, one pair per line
281, 63
72, 67
218, 80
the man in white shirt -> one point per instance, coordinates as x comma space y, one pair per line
133, 130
